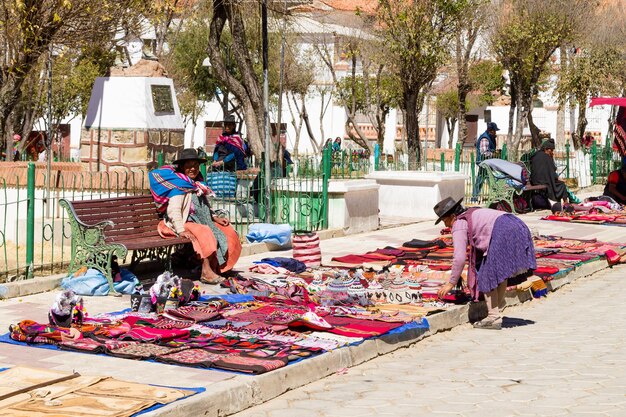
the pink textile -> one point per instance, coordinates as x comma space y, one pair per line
233, 139
474, 227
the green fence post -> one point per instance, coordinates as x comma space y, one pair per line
504, 154
443, 161
327, 170
594, 161
457, 158
473, 167
160, 159
376, 156
30, 220
567, 145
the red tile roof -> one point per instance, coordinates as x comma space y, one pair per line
366, 6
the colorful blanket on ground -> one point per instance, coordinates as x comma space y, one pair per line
166, 183
248, 337
341, 307
611, 218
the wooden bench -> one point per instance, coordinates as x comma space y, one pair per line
106, 228
500, 190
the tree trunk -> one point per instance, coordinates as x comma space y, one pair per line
307, 122
582, 122
10, 93
381, 117
411, 124
462, 139
297, 125
522, 114
534, 130
248, 91
512, 108
450, 124
560, 125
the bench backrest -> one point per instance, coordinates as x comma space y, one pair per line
135, 215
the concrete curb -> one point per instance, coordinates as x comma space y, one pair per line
42, 284
242, 392
30, 286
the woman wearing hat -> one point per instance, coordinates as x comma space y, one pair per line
230, 149
500, 247
181, 194
543, 172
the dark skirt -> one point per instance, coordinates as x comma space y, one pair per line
511, 253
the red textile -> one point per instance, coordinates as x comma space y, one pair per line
347, 326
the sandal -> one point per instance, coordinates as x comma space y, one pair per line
214, 281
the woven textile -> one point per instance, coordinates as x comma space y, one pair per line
306, 249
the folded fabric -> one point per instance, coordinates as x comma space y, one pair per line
288, 263
268, 269
417, 243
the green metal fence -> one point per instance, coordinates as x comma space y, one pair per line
35, 235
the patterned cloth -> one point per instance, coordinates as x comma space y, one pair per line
201, 214
166, 183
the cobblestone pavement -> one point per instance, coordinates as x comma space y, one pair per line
563, 355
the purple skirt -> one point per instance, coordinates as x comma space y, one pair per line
511, 253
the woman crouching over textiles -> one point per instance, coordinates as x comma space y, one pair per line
501, 247
181, 195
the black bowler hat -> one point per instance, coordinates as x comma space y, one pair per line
188, 154
230, 119
445, 207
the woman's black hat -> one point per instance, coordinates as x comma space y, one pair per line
446, 207
188, 154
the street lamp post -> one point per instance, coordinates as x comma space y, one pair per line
49, 138
266, 119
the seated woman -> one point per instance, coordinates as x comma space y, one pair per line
230, 150
616, 184
543, 172
180, 193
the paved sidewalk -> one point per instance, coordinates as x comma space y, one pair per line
566, 356
230, 390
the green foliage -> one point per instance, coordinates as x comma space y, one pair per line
528, 34
594, 72
184, 64
485, 79
448, 104
387, 88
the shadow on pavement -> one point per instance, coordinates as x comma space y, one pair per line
510, 322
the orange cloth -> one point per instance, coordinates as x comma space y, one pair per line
205, 243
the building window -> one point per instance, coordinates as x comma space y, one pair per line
487, 116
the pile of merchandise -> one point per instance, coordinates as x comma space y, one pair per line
592, 211
282, 311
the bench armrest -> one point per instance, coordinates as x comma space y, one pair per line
70, 210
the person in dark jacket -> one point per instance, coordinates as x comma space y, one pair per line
543, 172
485, 147
616, 184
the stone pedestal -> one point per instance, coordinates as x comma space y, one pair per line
128, 149
409, 196
130, 120
353, 205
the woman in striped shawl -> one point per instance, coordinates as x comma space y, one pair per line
181, 195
